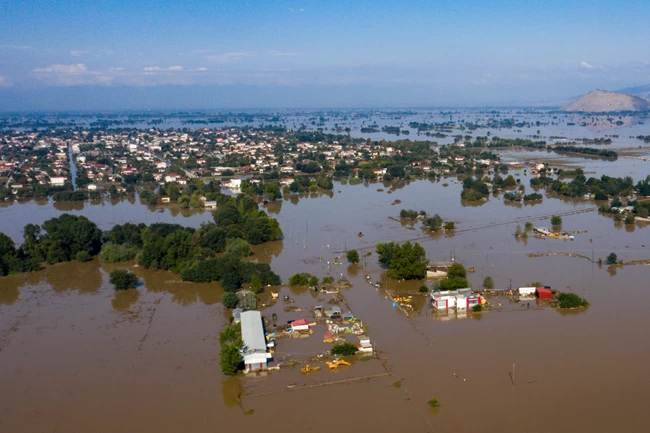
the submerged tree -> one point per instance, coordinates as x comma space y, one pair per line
122, 279
352, 256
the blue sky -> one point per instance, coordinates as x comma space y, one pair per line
114, 54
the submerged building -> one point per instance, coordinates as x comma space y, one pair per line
254, 350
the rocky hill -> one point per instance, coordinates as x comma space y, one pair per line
600, 101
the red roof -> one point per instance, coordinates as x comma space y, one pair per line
543, 293
299, 322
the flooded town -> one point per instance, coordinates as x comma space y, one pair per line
416, 270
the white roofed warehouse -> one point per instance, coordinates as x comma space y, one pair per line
254, 349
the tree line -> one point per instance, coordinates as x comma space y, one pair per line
187, 251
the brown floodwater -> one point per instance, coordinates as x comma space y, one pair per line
77, 357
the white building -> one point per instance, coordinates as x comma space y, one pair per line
254, 350
57, 180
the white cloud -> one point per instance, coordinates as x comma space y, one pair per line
159, 69
227, 58
201, 69
79, 68
586, 65
72, 75
115, 69
4, 82
292, 10
276, 53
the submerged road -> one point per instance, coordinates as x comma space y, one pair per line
496, 224
73, 168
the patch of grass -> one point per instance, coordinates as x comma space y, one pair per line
397, 384
365, 358
433, 402
249, 412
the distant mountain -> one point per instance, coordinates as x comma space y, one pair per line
640, 91
602, 101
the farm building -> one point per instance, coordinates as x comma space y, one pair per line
544, 293
527, 291
254, 350
461, 299
300, 325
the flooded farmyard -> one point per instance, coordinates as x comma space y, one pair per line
77, 356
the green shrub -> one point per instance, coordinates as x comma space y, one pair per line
121, 279
488, 282
477, 308
433, 402
238, 248
83, 256
230, 300
556, 220
113, 253
344, 349
352, 256
571, 300
612, 259
299, 279
423, 289
450, 225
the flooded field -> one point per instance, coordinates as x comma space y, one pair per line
77, 357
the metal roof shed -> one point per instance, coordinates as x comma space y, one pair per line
544, 293
252, 332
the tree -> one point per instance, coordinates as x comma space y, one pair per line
238, 248
256, 284
230, 300
344, 349
488, 283
83, 256
612, 259
406, 262
299, 279
629, 219
229, 358
313, 281
571, 300
453, 283
456, 270
556, 220
122, 279
352, 256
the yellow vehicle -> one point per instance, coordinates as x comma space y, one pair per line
336, 363
308, 369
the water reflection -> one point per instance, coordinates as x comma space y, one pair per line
266, 252
125, 299
85, 277
9, 292
68, 206
231, 391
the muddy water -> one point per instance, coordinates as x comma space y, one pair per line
75, 356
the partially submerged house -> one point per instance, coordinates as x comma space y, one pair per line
300, 325
364, 345
460, 299
334, 312
527, 292
544, 293
254, 350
